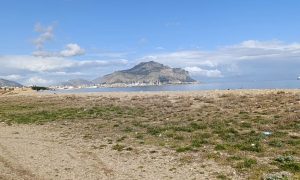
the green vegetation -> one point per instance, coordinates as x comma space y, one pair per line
234, 130
246, 163
184, 149
118, 147
41, 111
39, 88
222, 177
288, 163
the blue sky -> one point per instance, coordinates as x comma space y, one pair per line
43, 42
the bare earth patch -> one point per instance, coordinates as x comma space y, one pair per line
41, 152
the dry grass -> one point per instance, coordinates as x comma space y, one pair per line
229, 127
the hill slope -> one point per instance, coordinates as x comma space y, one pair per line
147, 72
7, 83
77, 82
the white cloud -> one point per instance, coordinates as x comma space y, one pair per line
271, 45
197, 71
229, 58
222, 62
247, 50
59, 73
46, 34
23, 67
183, 58
33, 64
264, 50
37, 81
72, 50
43, 53
51, 64
69, 51
12, 77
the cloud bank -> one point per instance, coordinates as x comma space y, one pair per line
204, 72
231, 59
71, 49
49, 70
252, 58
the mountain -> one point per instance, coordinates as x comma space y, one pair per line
77, 82
7, 83
149, 73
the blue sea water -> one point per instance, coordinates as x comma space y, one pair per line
286, 84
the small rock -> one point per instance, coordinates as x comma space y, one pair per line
267, 133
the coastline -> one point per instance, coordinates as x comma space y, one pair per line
172, 93
122, 85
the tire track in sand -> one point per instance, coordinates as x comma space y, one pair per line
13, 168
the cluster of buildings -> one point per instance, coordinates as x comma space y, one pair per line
115, 85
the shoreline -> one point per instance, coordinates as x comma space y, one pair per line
157, 93
121, 85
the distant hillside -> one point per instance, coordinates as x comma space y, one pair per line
147, 72
77, 82
7, 83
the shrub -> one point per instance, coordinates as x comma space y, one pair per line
247, 163
184, 149
254, 147
154, 130
246, 125
220, 147
288, 163
277, 176
118, 147
198, 142
284, 159
39, 88
275, 143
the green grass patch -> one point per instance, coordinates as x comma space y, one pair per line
40, 115
276, 143
288, 163
220, 147
184, 149
246, 163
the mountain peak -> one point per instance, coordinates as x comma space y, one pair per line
147, 72
145, 68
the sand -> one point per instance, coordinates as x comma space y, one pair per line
42, 152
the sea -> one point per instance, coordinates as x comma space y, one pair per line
284, 84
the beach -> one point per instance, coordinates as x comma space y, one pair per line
222, 134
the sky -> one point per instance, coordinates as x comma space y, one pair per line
44, 42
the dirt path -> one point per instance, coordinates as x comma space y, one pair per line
42, 152
31, 152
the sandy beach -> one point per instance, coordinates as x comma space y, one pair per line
232, 134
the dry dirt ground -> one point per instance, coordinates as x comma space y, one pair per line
43, 152
161, 135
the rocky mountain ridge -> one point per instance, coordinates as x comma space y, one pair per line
147, 73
